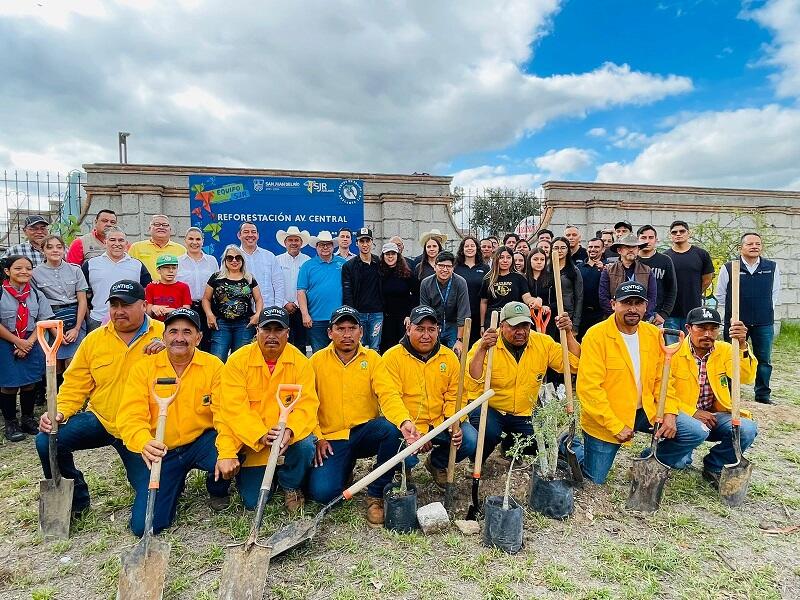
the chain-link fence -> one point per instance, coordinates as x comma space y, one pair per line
496, 211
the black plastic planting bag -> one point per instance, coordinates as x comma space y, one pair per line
502, 528
552, 498
399, 512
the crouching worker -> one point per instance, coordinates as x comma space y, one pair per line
190, 440
521, 359
250, 381
618, 384
426, 374
354, 388
701, 373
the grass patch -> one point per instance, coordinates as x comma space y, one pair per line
789, 339
553, 578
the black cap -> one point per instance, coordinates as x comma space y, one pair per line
345, 312
627, 224
702, 315
630, 289
183, 313
31, 220
364, 232
444, 255
422, 312
127, 290
274, 314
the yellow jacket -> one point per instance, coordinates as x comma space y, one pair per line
606, 385
99, 370
147, 252
428, 389
516, 385
248, 405
685, 373
350, 394
190, 414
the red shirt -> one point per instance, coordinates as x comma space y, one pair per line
173, 295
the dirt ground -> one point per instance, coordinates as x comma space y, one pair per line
692, 548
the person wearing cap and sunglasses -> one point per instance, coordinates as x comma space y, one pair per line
618, 384
361, 288
193, 438
250, 381
400, 291
361, 414
702, 370
35, 230
98, 372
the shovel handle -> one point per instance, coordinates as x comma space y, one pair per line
736, 379
462, 367
292, 393
562, 335
161, 425
50, 351
669, 351
541, 317
487, 384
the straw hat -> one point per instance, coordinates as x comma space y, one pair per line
293, 230
433, 233
322, 236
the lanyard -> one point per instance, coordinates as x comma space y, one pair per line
444, 298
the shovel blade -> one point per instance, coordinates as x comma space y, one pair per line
244, 574
55, 507
143, 570
734, 481
449, 496
574, 466
648, 476
292, 535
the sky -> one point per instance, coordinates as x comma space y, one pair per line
495, 93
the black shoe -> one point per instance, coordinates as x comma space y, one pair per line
29, 425
79, 511
218, 503
13, 431
765, 400
712, 477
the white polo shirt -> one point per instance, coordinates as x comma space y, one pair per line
102, 272
290, 265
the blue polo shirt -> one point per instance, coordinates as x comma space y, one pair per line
322, 283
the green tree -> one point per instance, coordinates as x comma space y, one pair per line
496, 210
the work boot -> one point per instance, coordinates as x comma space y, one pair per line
218, 503
374, 511
13, 431
294, 501
439, 475
712, 477
29, 425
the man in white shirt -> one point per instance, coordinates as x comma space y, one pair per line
195, 268
262, 264
290, 262
344, 240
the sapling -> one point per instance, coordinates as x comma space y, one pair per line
550, 423
517, 449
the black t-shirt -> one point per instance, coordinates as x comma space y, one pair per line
507, 288
361, 285
664, 272
474, 277
580, 256
231, 299
690, 266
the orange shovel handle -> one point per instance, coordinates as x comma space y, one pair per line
50, 351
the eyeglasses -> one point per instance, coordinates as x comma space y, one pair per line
444, 266
232, 257
160, 224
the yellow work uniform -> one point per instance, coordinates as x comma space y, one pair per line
190, 414
351, 394
606, 386
428, 389
248, 398
516, 384
99, 370
147, 252
685, 376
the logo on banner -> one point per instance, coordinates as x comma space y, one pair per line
258, 185
349, 192
317, 186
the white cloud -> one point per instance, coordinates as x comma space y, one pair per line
478, 179
783, 18
597, 132
624, 138
559, 163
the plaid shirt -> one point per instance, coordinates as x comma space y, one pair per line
25, 249
705, 400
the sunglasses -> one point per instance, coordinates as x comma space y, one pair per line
232, 257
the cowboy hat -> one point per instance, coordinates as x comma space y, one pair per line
433, 233
322, 236
292, 230
628, 240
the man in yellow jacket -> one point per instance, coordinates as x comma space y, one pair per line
190, 439
98, 372
426, 374
354, 388
248, 406
521, 359
618, 386
701, 373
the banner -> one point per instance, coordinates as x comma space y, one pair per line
220, 204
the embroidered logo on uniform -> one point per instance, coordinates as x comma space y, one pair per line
443, 367
363, 365
723, 380
207, 400
539, 377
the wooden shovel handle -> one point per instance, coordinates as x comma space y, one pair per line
462, 367
736, 380
50, 352
669, 351
487, 384
161, 425
562, 335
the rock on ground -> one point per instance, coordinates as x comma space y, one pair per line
433, 518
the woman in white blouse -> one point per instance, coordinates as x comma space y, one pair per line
194, 269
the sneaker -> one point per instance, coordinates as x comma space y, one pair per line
13, 431
439, 475
374, 511
712, 477
294, 501
765, 400
218, 503
29, 425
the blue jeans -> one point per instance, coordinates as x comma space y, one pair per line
441, 448
722, 453
199, 454
377, 437
229, 337
597, 456
372, 324
83, 431
496, 425
318, 335
297, 332
760, 337
291, 475
448, 336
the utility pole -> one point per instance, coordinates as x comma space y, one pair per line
123, 147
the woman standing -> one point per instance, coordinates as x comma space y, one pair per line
540, 283
432, 243
470, 265
571, 287
519, 262
65, 287
502, 285
400, 290
21, 357
194, 269
232, 303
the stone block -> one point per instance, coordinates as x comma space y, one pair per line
433, 518
129, 204
468, 527
396, 210
153, 204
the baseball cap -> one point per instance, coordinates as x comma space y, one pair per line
274, 314
630, 289
127, 290
390, 247
702, 315
627, 224
31, 220
183, 313
515, 313
165, 260
364, 232
422, 312
345, 312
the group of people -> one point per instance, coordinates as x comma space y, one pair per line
385, 334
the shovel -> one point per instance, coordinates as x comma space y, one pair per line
474, 508
735, 477
55, 495
572, 459
541, 317
450, 488
298, 532
648, 475
244, 574
144, 569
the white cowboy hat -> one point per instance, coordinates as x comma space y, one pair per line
322, 236
433, 233
292, 230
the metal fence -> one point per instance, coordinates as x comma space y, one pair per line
55, 196
496, 211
